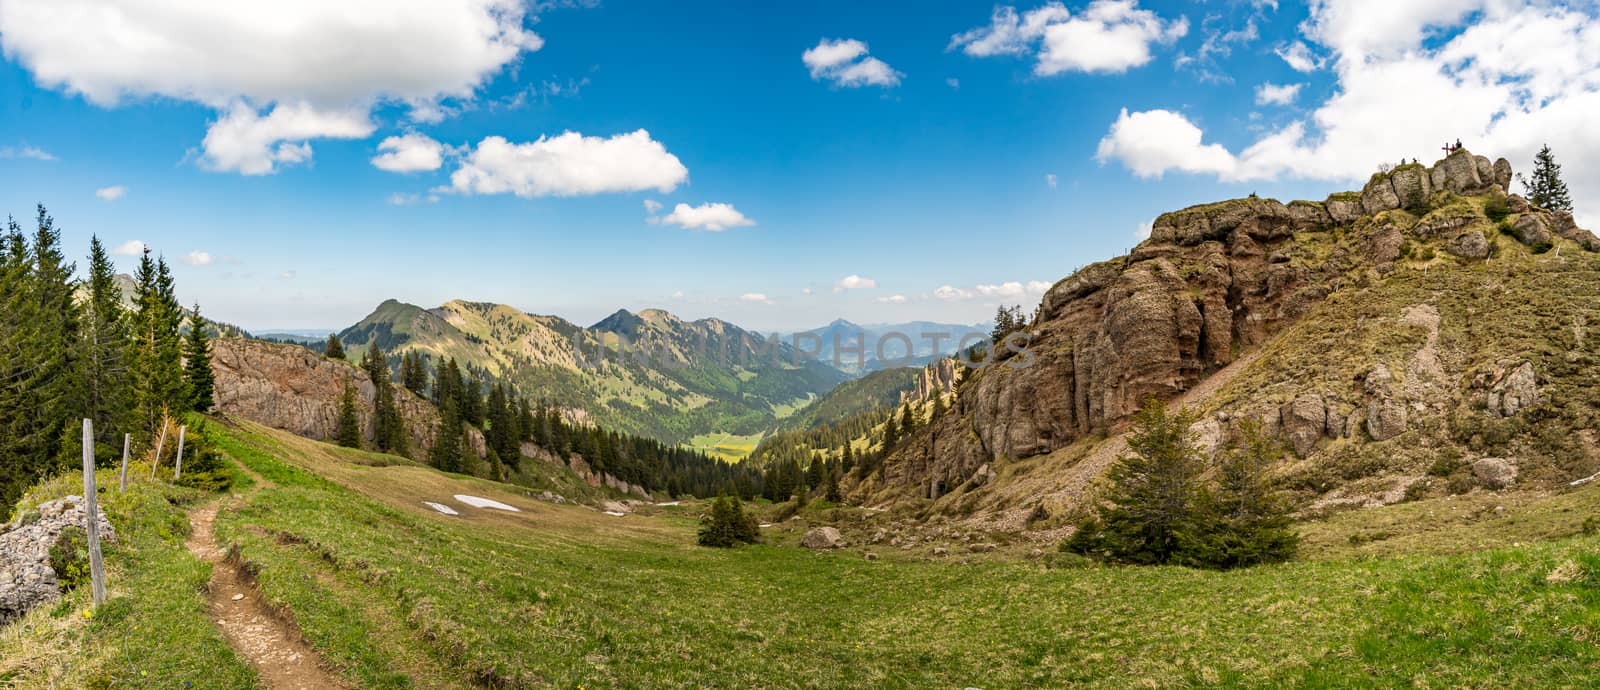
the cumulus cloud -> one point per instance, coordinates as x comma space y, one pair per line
26, 151
197, 258
853, 282
278, 74
1152, 142
894, 299
714, 217
111, 193
845, 62
1011, 290
652, 207
1518, 76
755, 298
570, 164
1277, 94
410, 152
1142, 232
129, 248
1109, 36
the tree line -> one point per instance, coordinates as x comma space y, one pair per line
70, 350
467, 398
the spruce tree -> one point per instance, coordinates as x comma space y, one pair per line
333, 349
1244, 522
1546, 189
53, 383
1155, 489
446, 454
200, 382
103, 350
389, 431
155, 356
16, 310
833, 487
349, 416
413, 373
728, 525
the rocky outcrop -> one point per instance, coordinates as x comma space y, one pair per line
1515, 391
939, 377
581, 468
291, 388
26, 578
1211, 282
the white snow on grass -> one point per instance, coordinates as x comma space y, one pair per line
668, 503
614, 513
447, 510
478, 502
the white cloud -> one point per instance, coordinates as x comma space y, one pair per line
244, 141
755, 297
404, 199
129, 248
197, 258
1011, 290
845, 63
652, 207
714, 217
1153, 142
1269, 93
854, 282
953, 83
287, 275
1299, 57
678, 294
570, 164
111, 193
1142, 233
1520, 75
295, 57
1050, 180
806, 291
1108, 36
894, 299
412, 152
26, 151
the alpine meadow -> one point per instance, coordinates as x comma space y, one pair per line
589, 344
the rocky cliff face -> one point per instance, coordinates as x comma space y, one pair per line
291, 388
1210, 283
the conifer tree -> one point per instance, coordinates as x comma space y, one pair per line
103, 350
446, 454
349, 416
199, 381
908, 420
389, 431
1154, 491
815, 473
333, 349
52, 382
413, 373
728, 524
16, 310
833, 487
1546, 189
1244, 522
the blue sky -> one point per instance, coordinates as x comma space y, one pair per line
917, 162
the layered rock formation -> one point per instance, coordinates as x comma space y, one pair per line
291, 388
1212, 282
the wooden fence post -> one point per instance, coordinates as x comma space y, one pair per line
157, 459
179, 471
122, 482
91, 509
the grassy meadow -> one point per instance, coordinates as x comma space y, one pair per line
394, 595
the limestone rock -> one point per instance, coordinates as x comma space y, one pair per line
1309, 215
1411, 185
1258, 218
1379, 196
1502, 174
1303, 422
1495, 473
1562, 224
1514, 392
1531, 229
1386, 412
823, 538
291, 388
1469, 245
1343, 208
26, 579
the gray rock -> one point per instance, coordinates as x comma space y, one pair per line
1531, 229
1502, 174
1303, 422
1379, 196
823, 538
1469, 245
1495, 473
1516, 391
1386, 412
26, 579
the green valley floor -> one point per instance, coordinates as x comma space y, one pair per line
391, 594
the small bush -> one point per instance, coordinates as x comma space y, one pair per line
1446, 464
1591, 526
1066, 560
69, 557
1542, 247
1497, 208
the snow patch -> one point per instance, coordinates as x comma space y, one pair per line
447, 510
477, 502
615, 513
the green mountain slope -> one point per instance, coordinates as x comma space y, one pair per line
698, 377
